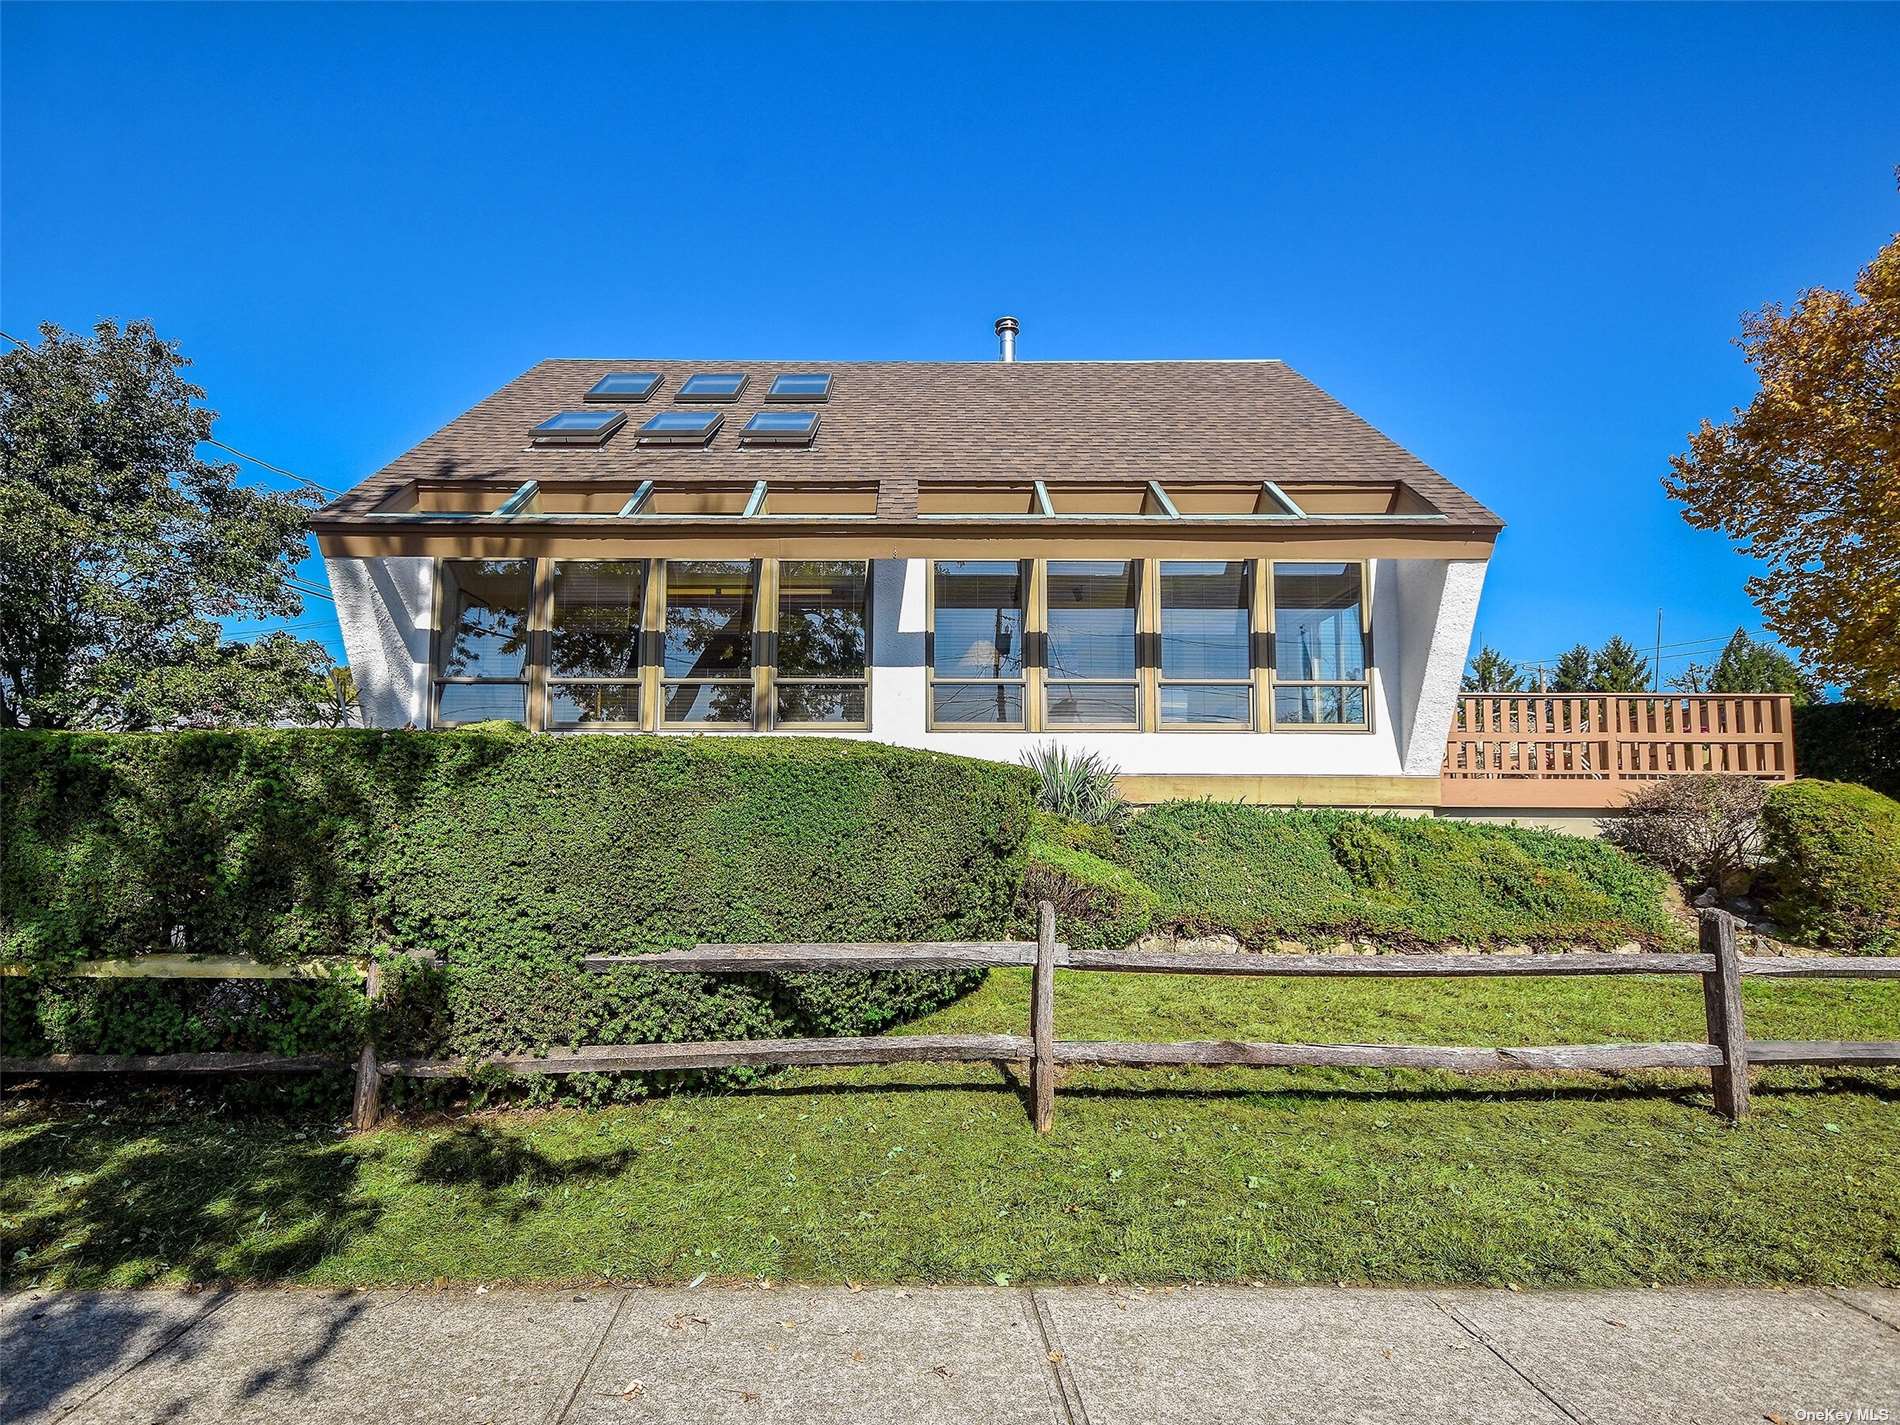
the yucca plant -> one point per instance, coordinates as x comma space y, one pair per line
1077, 785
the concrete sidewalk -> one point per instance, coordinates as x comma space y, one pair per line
965, 1356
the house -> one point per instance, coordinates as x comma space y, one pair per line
1212, 572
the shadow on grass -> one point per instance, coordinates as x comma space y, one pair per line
1608, 1088
506, 1173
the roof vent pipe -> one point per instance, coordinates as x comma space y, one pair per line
1006, 329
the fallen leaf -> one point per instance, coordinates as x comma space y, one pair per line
696, 1281
634, 1390
1055, 1358
943, 1371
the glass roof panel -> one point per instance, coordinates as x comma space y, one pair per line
625, 386
578, 422
712, 386
800, 386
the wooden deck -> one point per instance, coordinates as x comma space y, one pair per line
1592, 750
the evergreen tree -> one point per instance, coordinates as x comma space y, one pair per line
1619, 668
1573, 672
1749, 666
1492, 672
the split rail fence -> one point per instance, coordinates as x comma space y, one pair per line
1727, 1053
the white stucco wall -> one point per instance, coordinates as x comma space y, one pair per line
1437, 607
383, 607
1423, 614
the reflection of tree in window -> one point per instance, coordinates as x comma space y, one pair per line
485, 607
708, 635
596, 631
822, 636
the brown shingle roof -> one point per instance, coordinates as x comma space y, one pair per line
902, 421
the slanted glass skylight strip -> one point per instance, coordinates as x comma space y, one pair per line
800, 386
625, 386
578, 427
681, 428
712, 386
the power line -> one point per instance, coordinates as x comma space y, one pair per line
241, 454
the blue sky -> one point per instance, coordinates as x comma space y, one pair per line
1517, 240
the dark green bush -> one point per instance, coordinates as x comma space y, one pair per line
1833, 852
512, 857
1849, 742
1264, 874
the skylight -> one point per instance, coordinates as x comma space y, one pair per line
578, 427
781, 428
712, 386
681, 428
800, 386
625, 386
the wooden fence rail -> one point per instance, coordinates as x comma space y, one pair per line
1727, 1053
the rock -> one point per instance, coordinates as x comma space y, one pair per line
1707, 900
1343, 947
1459, 950
1628, 947
1209, 945
1289, 947
1512, 950
1156, 944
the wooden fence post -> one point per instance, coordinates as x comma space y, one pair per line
366, 1108
1042, 1019
1722, 1003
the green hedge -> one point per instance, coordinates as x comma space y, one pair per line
1849, 742
512, 857
1833, 852
1263, 875
1098, 904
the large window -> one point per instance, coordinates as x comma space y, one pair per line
707, 653
481, 656
976, 662
823, 638
1206, 664
594, 643
1091, 676
1319, 646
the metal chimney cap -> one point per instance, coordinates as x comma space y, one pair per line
1007, 324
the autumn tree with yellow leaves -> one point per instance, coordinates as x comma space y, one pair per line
1807, 478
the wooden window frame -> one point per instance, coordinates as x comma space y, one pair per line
1267, 674
1031, 576
1250, 680
864, 681
545, 598
759, 679
531, 662
1142, 681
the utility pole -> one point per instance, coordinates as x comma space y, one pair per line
1655, 684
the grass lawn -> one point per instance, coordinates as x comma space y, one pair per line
931, 1173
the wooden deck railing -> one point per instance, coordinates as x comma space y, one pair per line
1592, 750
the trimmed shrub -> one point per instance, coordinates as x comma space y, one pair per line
1849, 742
1098, 904
512, 857
1263, 874
1833, 849
1704, 830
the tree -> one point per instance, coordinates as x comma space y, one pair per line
1492, 672
1619, 668
1573, 671
1693, 679
1750, 666
120, 549
1807, 478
